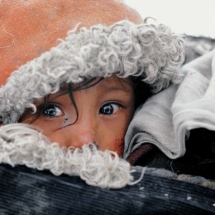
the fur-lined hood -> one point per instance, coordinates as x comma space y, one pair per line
125, 49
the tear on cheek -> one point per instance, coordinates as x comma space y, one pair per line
119, 146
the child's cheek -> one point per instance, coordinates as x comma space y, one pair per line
115, 144
119, 144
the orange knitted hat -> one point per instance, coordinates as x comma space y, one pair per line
29, 28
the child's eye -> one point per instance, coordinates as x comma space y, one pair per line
52, 111
108, 109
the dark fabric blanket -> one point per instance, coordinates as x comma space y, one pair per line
27, 191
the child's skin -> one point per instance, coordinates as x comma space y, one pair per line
104, 113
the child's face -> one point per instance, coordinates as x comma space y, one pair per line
104, 113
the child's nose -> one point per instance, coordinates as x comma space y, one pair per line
83, 133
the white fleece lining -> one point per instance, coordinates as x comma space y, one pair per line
20, 144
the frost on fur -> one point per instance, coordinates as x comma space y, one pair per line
125, 49
20, 144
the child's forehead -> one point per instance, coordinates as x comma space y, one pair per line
112, 83
99, 85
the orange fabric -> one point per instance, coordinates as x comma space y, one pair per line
29, 28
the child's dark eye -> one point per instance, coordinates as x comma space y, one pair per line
108, 109
52, 111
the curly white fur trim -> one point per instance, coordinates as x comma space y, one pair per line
125, 49
20, 144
